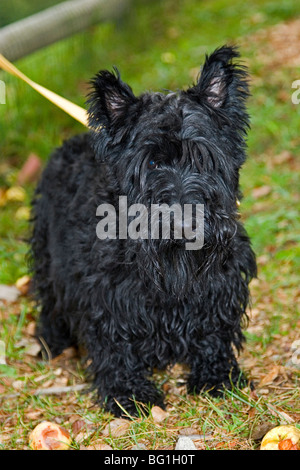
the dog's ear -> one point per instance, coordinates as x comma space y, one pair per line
109, 101
222, 84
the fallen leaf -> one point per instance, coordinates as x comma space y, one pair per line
23, 213
271, 376
261, 191
34, 349
100, 447
31, 345
227, 444
15, 193
32, 415
283, 157
116, 428
158, 414
84, 435
18, 384
188, 431
31, 328
96, 446
23, 284
261, 430
278, 412
78, 425
68, 353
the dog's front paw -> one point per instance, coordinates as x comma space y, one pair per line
217, 387
136, 403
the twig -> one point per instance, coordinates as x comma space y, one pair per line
275, 412
60, 390
49, 391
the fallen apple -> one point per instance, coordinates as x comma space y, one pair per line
49, 436
282, 438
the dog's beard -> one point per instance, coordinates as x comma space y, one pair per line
167, 266
173, 269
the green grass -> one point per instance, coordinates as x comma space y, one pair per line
160, 45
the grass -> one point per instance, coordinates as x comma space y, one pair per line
161, 46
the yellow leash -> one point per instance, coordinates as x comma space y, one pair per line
70, 108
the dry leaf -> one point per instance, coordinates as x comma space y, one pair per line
23, 284
18, 384
188, 431
32, 415
116, 428
31, 328
271, 376
78, 425
23, 213
96, 446
82, 429
227, 444
34, 349
261, 191
15, 193
260, 430
31, 345
283, 157
278, 412
158, 414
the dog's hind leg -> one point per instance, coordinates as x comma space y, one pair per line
53, 330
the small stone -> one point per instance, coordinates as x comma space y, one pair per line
185, 443
9, 293
140, 446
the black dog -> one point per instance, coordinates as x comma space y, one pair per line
136, 303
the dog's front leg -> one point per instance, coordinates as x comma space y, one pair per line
120, 375
214, 366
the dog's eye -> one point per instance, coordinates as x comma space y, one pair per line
152, 164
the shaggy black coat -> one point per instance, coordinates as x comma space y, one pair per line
136, 305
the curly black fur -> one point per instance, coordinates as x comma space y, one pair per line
140, 304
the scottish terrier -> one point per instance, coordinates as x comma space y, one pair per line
140, 302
